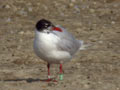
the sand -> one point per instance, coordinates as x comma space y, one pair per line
97, 22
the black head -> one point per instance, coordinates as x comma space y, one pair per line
43, 24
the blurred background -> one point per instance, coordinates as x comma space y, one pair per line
97, 22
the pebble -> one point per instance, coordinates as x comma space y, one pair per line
62, 14
71, 5
93, 39
118, 88
15, 8
100, 42
45, 7
94, 3
30, 9
55, 3
78, 76
92, 10
77, 8
6, 6
113, 22
116, 5
18, 47
22, 12
21, 32
86, 85
8, 20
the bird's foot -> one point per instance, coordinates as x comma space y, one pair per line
51, 79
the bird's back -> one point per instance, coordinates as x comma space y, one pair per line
67, 42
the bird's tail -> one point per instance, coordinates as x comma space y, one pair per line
83, 46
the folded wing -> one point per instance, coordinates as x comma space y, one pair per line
67, 42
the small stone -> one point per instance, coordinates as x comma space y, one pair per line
71, 4
77, 8
18, 47
115, 5
93, 39
94, 3
30, 9
21, 32
118, 88
15, 9
8, 20
78, 76
100, 42
62, 14
22, 12
113, 22
92, 10
45, 7
87, 85
6, 6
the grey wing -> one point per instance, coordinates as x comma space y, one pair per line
70, 46
68, 42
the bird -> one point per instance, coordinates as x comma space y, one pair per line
54, 44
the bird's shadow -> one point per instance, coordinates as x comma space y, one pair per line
29, 80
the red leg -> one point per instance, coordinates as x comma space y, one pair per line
48, 66
49, 78
61, 73
61, 69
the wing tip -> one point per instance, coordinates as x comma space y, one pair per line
83, 46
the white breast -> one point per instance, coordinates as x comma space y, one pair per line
45, 46
45, 41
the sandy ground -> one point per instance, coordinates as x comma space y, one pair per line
97, 22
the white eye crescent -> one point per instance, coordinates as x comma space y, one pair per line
46, 24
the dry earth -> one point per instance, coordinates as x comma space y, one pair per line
97, 22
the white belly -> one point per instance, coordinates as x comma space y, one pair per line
45, 46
